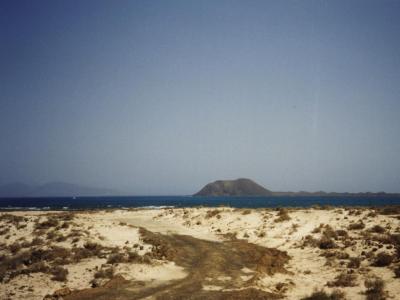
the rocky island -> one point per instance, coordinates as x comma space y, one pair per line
238, 187
247, 187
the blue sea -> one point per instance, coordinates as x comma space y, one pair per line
79, 203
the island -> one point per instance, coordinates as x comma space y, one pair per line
247, 187
238, 187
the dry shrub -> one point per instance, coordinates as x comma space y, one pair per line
49, 223
14, 247
232, 236
54, 254
39, 267
329, 233
378, 229
59, 255
60, 238
134, 257
322, 295
383, 259
380, 238
74, 235
261, 234
24, 243
34, 268
343, 280
59, 273
327, 207
105, 273
14, 262
295, 226
93, 246
356, 226
354, 263
397, 271
342, 255
212, 213
326, 243
390, 210
395, 239
322, 243
65, 225
116, 258
4, 231
318, 229
51, 235
11, 219
246, 212
283, 215
355, 212
329, 253
65, 216
82, 253
161, 249
281, 287
21, 226
342, 233
37, 242
375, 288
309, 241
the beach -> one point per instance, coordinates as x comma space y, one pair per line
200, 253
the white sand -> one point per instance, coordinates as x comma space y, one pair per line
307, 269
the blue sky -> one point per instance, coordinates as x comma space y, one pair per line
161, 97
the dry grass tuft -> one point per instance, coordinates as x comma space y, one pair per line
105, 273
116, 258
383, 259
356, 226
375, 289
378, 229
51, 222
397, 271
326, 243
322, 295
212, 213
59, 273
390, 210
343, 280
342, 233
354, 263
283, 215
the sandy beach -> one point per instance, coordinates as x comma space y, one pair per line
200, 253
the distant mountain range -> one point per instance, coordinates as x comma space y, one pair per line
247, 187
52, 189
238, 187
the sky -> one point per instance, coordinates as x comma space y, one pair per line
162, 97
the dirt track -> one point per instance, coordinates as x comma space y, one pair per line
207, 263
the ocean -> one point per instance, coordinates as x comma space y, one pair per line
80, 203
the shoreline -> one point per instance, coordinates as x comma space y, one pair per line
162, 207
101, 203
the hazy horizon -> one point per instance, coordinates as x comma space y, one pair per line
160, 98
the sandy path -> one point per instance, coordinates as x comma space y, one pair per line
220, 264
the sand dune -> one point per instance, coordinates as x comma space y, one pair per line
199, 253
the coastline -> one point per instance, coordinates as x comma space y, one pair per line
315, 247
144, 202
